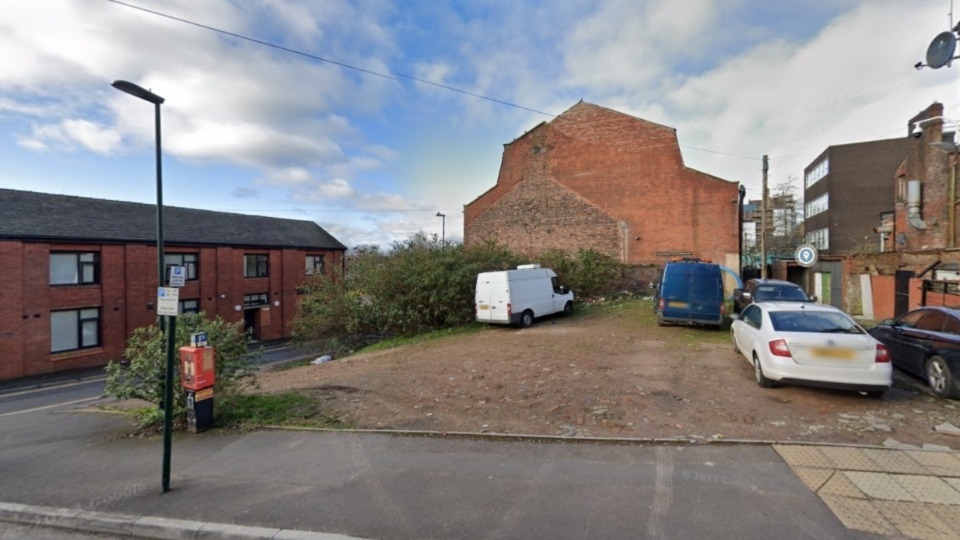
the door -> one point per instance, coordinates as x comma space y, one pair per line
901, 302
250, 323
822, 282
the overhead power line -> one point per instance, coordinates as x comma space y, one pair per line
390, 76
393, 77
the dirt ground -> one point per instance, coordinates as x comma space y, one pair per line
610, 372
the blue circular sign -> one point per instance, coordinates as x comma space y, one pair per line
806, 255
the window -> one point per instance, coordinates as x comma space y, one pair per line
910, 319
255, 266
314, 264
74, 329
933, 321
752, 316
816, 172
186, 260
251, 300
818, 205
74, 268
190, 306
819, 238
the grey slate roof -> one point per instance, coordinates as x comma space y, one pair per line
27, 215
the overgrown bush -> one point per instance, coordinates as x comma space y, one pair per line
424, 284
142, 375
589, 273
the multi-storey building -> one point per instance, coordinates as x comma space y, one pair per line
845, 190
78, 275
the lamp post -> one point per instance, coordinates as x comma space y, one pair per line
170, 326
742, 192
443, 230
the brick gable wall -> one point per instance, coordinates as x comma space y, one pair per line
627, 168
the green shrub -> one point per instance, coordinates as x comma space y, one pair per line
143, 374
422, 285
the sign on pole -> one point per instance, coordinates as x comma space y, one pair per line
168, 301
178, 276
806, 255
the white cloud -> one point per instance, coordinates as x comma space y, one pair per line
71, 133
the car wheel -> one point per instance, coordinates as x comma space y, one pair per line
734, 338
526, 319
876, 394
939, 377
762, 379
568, 309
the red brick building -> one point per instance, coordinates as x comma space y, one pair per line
597, 178
78, 275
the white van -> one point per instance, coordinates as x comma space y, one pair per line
517, 296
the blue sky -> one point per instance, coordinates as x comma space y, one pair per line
252, 129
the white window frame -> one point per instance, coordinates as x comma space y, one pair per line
816, 173
819, 238
817, 206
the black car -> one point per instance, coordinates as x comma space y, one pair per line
926, 342
771, 290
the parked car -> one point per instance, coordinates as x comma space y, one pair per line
764, 290
690, 292
518, 296
926, 342
810, 344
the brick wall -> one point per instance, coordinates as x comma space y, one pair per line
126, 296
625, 167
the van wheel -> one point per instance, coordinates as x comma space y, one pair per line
526, 319
660, 321
568, 309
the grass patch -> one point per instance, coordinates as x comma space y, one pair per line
289, 409
421, 338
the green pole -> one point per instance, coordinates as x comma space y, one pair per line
168, 401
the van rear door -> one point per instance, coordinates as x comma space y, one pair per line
706, 296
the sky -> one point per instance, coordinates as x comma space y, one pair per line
370, 117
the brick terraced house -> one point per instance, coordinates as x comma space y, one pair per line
78, 275
596, 178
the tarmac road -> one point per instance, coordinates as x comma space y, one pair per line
382, 486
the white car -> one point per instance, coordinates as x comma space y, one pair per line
810, 344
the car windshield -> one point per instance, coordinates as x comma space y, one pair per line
777, 292
821, 322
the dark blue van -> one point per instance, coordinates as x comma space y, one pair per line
690, 292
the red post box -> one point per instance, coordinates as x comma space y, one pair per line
196, 367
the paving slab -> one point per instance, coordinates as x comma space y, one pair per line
859, 514
894, 461
929, 489
841, 486
849, 459
879, 486
803, 456
812, 477
940, 463
915, 520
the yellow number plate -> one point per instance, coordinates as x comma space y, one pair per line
678, 304
843, 354
482, 306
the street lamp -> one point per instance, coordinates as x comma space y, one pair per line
170, 326
443, 233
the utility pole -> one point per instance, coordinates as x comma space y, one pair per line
763, 220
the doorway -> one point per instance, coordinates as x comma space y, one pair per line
250, 323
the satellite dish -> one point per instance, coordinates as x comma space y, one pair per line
941, 50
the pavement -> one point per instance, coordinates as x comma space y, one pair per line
79, 472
